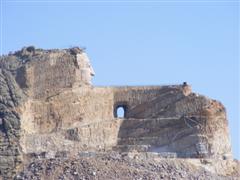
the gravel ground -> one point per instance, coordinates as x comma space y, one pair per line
114, 166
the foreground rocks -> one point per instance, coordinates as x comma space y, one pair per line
128, 166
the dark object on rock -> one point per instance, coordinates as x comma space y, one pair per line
75, 50
30, 49
72, 134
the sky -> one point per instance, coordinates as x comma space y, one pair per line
140, 42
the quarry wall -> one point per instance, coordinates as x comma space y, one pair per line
48, 105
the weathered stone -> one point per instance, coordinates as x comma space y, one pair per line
48, 106
72, 134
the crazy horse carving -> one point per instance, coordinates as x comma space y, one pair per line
48, 105
86, 69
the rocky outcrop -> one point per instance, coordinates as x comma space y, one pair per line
11, 97
50, 110
112, 165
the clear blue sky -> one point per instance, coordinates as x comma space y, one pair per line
140, 43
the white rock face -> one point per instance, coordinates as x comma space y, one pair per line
86, 70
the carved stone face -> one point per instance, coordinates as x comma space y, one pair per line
89, 66
85, 67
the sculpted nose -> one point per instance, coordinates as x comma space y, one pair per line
92, 71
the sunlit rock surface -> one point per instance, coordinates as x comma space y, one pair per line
50, 111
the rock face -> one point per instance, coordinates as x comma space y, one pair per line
49, 109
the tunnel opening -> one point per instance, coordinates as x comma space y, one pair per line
120, 111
